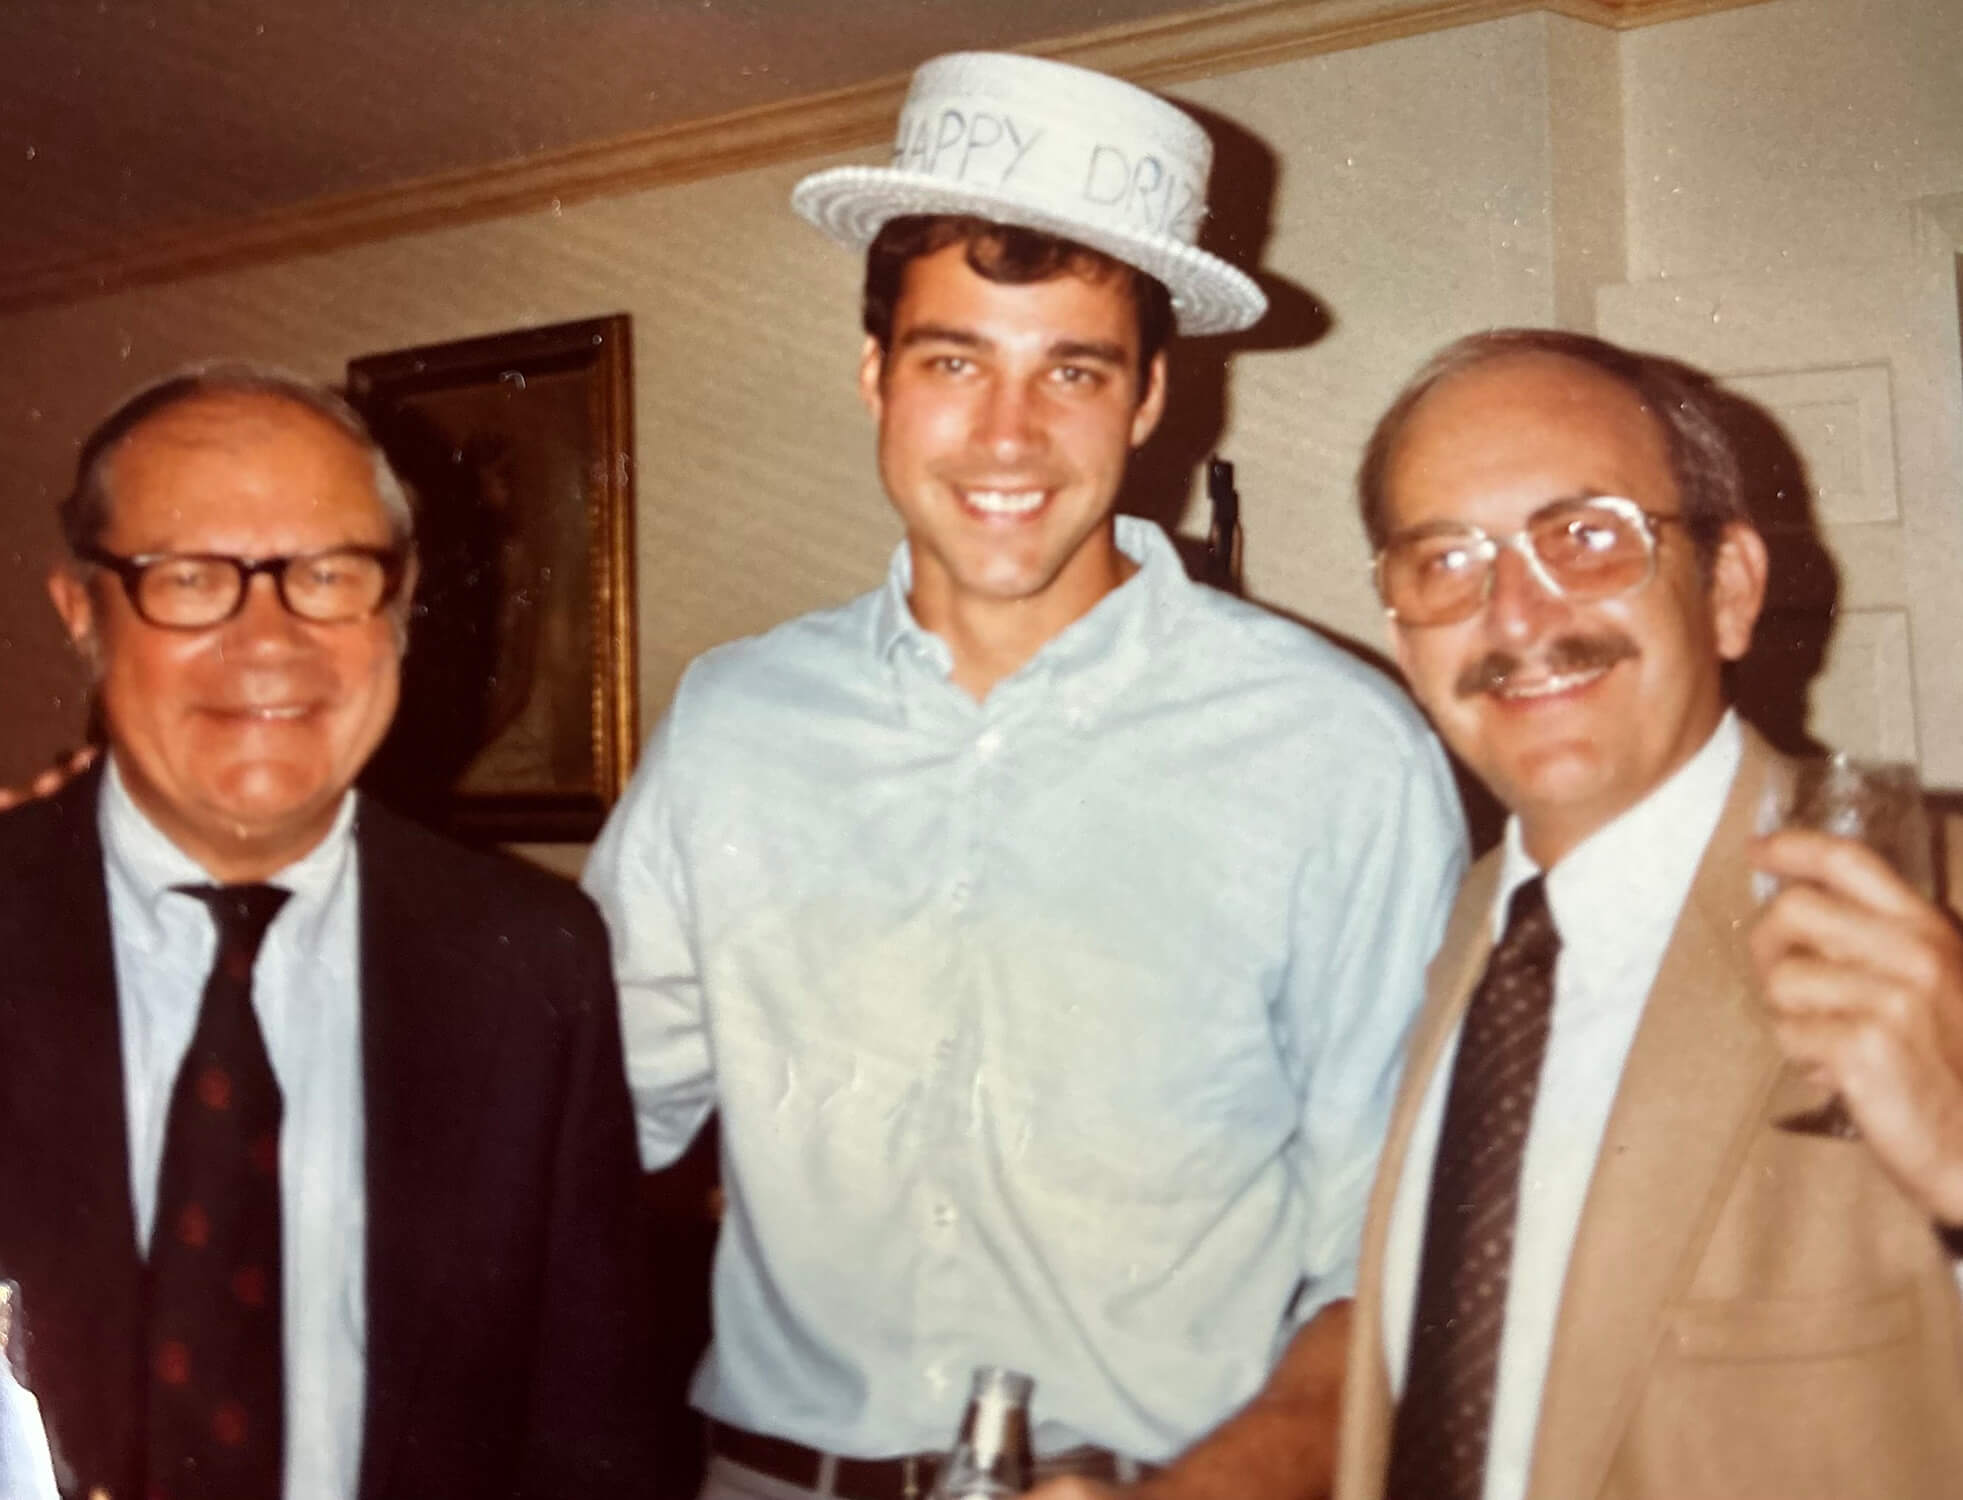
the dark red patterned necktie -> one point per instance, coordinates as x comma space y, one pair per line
1444, 1421
216, 1417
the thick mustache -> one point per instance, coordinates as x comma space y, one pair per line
1566, 654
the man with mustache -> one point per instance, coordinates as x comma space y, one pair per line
316, 1158
1043, 926
1604, 1261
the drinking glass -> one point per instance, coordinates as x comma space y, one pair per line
1879, 804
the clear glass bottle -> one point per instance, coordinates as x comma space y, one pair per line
990, 1457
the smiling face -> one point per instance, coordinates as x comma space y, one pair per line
1006, 415
1571, 713
238, 740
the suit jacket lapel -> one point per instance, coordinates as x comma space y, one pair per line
423, 1081
1693, 1090
1367, 1407
73, 1072
59, 1021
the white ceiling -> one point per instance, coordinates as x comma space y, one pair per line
123, 118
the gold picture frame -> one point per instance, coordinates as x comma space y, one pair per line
518, 717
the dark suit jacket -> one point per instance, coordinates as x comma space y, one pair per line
508, 1332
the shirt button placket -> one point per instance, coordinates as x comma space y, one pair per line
942, 1321
939, 1324
963, 824
975, 794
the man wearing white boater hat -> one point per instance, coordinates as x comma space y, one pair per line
1044, 927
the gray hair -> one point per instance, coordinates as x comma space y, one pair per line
1684, 403
85, 508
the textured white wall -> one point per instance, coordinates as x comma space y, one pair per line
754, 497
1406, 187
1795, 214
1759, 191
1413, 200
1528, 170
1795, 133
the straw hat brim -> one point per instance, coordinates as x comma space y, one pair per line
851, 204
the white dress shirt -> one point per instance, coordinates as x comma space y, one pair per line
1615, 900
306, 992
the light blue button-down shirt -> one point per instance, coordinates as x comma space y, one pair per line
306, 992
1056, 1031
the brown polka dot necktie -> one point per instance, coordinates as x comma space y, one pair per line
1444, 1421
216, 1414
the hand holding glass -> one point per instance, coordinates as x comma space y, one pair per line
1879, 804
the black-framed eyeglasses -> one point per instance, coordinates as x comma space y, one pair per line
197, 590
1585, 549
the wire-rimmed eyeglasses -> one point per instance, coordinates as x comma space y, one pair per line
1585, 549
197, 590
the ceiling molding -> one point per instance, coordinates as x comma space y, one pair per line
1156, 52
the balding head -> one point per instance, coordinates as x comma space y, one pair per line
85, 508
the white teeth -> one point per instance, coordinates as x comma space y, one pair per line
1547, 687
276, 713
1003, 502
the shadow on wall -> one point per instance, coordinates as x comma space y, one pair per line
1771, 686
1237, 229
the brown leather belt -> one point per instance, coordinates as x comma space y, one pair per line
907, 1477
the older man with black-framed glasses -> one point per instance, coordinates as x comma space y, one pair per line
316, 1165
200, 590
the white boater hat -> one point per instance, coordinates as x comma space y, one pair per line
1023, 140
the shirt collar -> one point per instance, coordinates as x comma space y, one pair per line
1096, 654
1630, 876
143, 861
895, 627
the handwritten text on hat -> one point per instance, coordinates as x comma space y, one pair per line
993, 148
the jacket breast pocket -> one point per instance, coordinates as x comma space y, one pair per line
1788, 1328
1800, 1398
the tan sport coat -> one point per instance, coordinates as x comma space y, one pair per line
1749, 1313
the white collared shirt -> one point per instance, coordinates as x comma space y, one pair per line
1615, 900
306, 993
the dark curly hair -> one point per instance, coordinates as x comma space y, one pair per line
1012, 256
